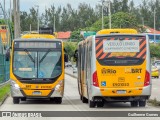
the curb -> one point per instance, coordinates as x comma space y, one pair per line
2, 84
1, 103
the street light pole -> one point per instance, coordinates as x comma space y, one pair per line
109, 13
102, 14
54, 23
5, 9
37, 17
10, 15
108, 4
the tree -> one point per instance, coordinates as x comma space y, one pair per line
29, 19
125, 7
87, 18
154, 50
119, 20
70, 47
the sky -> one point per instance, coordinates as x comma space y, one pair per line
25, 5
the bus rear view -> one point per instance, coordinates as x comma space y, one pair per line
123, 68
37, 69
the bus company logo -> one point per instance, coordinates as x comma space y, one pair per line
133, 70
105, 71
6, 114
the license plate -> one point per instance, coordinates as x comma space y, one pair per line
36, 93
121, 92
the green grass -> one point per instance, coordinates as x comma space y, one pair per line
4, 91
154, 102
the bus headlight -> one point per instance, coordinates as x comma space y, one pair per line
59, 86
14, 84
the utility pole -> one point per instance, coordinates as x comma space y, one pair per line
18, 17
108, 4
109, 14
102, 14
54, 23
16, 11
4, 9
30, 28
154, 25
10, 11
37, 17
143, 21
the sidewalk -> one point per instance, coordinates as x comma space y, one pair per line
70, 72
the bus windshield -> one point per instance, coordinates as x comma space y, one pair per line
121, 50
37, 64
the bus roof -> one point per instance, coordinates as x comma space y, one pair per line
47, 36
35, 39
117, 31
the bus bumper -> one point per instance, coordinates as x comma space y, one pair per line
16, 91
131, 93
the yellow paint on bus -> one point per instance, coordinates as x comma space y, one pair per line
47, 36
118, 31
37, 72
114, 66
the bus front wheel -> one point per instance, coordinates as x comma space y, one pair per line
134, 103
142, 103
100, 103
92, 104
16, 100
58, 100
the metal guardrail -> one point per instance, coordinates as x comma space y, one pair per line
4, 65
5, 83
4, 69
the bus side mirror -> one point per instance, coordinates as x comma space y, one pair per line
76, 55
65, 57
7, 55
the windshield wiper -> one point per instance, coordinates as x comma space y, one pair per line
44, 56
29, 55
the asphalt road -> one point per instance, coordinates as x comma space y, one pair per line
71, 102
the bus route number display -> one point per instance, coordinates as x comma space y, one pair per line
121, 46
37, 45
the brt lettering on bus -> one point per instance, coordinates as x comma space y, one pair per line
133, 70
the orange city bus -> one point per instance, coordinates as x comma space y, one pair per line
114, 65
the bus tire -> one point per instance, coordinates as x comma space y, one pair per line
16, 100
23, 99
134, 103
92, 104
84, 100
100, 104
58, 100
51, 99
142, 103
